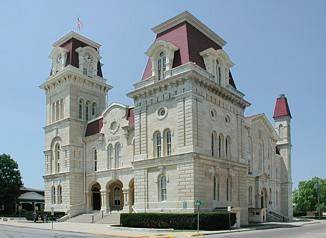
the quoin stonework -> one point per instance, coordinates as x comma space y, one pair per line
186, 137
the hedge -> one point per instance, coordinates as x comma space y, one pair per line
184, 221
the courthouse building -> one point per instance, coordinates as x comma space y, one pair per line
185, 138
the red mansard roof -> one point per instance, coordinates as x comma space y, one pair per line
281, 107
94, 127
190, 42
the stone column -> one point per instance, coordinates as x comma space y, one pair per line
125, 200
108, 208
103, 200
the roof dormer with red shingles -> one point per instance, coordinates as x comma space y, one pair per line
191, 37
281, 107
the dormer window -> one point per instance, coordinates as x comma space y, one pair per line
161, 54
161, 66
88, 60
58, 56
218, 64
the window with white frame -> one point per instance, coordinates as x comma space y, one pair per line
167, 142
87, 111
162, 188
95, 159
117, 155
161, 65
80, 109
110, 156
53, 199
157, 144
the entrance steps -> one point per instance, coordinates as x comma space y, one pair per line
275, 217
96, 217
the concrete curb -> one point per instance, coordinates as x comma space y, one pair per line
122, 228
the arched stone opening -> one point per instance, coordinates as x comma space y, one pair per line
96, 196
115, 194
263, 198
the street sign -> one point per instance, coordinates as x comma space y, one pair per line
229, 208
198, 203
52, 211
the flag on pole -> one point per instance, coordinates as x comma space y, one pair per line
79, 24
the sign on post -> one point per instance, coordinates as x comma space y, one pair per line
52, 214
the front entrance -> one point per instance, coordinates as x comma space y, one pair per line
96, 197
116, 196
263, 198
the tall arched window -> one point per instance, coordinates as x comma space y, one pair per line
110, 157
220, 145
95, 159
161, 65
117, 155
162, 188
167, 142
87, 110
62, 109
213, 143
80, 109
228, 189
59, 194
215, 188
260, 157
57, 110
53, 195
94, 109
218, 72
157, 144
57, 156
250, 195
228, 147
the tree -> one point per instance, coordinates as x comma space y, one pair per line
10, 183
305, 197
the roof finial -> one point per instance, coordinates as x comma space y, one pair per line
79, 24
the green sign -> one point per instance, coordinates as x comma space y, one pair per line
198, 203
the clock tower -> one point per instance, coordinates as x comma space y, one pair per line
76, 93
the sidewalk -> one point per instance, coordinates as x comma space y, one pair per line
104, 229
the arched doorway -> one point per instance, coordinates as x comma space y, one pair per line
96, 196
263, 198
115, 195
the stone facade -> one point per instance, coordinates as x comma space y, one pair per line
185, 139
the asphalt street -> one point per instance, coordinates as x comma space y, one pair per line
19, 232
306, 231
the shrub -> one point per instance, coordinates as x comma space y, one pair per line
186, 221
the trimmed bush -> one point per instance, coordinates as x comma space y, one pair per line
180, 221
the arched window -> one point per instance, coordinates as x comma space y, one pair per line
94, 109
80, 109
228, 147
59, 194
213, 143
218, 72
57, 156
95, 159
162, 188
229, 189
167, 142
117, 155
157, 144
87, 110
53, 195
250, 195
161, 65
220, 145
110, 156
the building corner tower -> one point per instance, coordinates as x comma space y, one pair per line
75, 94
282, 118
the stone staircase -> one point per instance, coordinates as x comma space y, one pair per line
275, 217
96, 217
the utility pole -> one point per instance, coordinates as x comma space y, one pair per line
318, 198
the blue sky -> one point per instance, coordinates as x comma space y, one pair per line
277, 46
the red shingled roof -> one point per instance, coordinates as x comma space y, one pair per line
131, 117
281, 107
94, 127
190, 42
